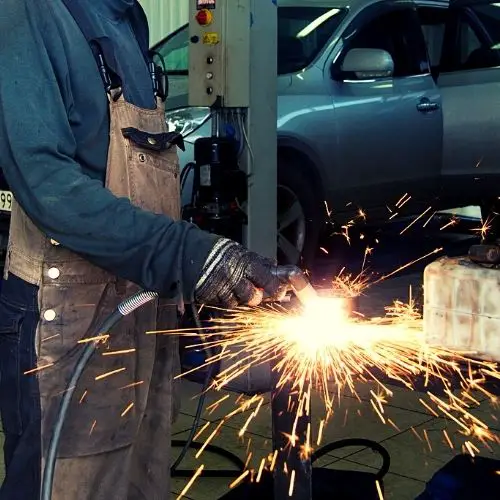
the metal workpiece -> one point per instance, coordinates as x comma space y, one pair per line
291, 461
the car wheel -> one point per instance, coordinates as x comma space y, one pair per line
299, 216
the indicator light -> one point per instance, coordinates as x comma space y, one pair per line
204, 17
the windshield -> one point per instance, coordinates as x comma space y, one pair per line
303, 32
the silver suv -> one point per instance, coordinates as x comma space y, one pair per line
376, 100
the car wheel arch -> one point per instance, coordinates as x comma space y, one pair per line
303, 157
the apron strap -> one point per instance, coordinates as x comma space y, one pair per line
103, 51
100, 46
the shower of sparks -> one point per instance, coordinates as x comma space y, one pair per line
109, 374
38, 369
379, 491
118, 353
452, 222
134, 384
292, 483
201, 431
485, 227
407, 265
414, 221
198, 472
324, 349
403, 200
127, 409
239, 479
339, 350
99, 338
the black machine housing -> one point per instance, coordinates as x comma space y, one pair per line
219, 188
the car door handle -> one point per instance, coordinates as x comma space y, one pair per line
425, 105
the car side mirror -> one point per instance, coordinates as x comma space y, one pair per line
367, 64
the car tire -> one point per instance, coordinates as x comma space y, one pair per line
299, 215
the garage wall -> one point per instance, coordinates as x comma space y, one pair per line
165, 16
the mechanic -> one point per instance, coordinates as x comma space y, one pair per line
96, 219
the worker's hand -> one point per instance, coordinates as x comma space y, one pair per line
233, 276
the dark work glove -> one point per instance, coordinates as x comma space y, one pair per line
232, 275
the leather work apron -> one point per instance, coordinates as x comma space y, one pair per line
123, 405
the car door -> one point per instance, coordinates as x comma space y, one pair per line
388, 129
469, 80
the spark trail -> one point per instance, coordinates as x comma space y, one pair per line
323, 349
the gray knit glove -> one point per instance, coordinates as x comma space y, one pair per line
232, 275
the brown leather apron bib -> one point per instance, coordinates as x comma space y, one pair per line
108, 406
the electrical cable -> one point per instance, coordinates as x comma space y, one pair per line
185, 173
367, 443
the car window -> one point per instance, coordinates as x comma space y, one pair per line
398, 33
173, 53
433, 23
303, 32
468, 44
473, 38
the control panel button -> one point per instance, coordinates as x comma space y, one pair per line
204, 17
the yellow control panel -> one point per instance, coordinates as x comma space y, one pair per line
219, 53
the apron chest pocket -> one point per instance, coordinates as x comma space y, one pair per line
153, 170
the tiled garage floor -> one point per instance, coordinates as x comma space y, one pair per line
413, 464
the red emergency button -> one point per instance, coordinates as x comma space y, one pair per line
204, 17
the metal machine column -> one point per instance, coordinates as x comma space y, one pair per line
233, 69
261, 162
233, 66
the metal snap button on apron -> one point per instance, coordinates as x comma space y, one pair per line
54, 273
49, 315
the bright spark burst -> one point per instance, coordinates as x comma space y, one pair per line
485, 226
324, 349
